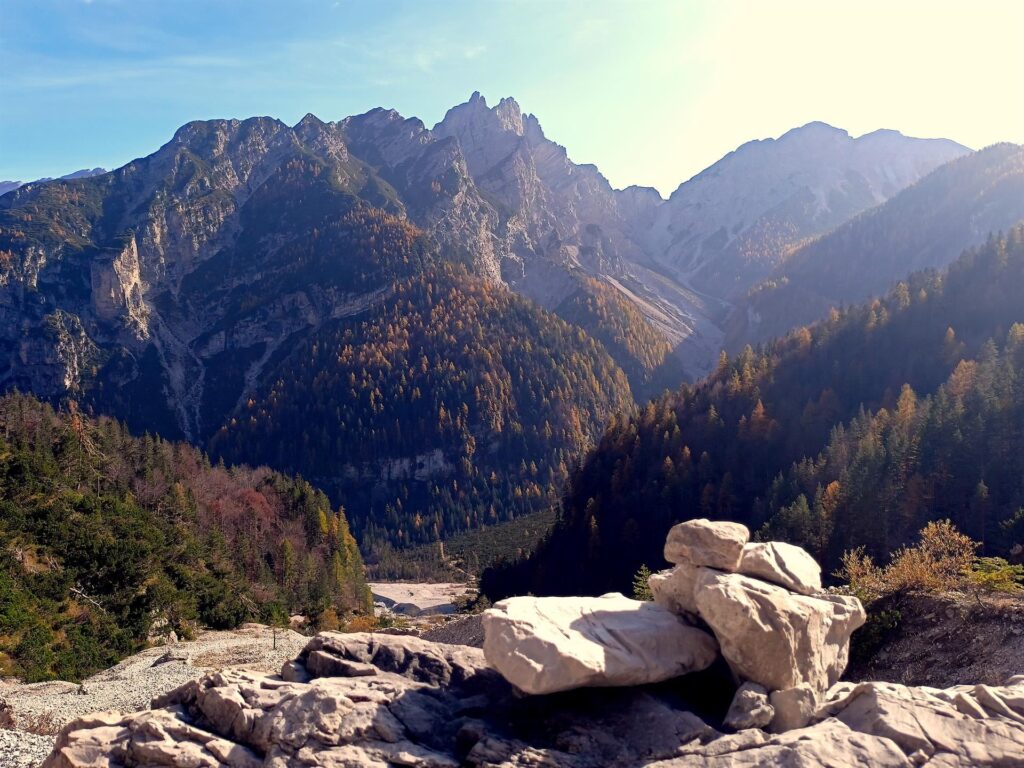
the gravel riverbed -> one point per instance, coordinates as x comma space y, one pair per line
32, 714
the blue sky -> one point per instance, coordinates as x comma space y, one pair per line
650, 91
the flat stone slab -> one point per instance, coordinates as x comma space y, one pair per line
550, 644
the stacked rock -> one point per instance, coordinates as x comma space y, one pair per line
783, 637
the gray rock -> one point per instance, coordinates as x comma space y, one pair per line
794, 708
750, 708
673, 589
407, 714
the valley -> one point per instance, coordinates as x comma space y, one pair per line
295, 296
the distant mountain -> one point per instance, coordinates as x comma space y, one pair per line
736, 221
263, 286
7, 186
855, 431
366, 271
926, 225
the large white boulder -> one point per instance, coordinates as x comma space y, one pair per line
549, 644
704, 542
782, 564
773, 637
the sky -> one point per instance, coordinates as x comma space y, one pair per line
651, 91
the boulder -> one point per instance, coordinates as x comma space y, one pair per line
673, 589
794, 708
750, 708
549, 644
782, 564
703, 542
771, 636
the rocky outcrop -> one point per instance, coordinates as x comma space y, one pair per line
550, 644
778, 630
372, 700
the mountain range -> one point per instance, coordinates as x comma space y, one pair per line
432, 324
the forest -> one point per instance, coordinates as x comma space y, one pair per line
458, 404
108, 540
854, 431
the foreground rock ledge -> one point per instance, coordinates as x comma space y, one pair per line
377, 700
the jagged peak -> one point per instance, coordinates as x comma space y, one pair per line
195, 128
310, 120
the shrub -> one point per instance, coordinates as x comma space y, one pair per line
943, 560
641, 589
995, 574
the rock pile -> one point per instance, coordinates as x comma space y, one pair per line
762, 602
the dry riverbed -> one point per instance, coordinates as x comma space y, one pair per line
32, 714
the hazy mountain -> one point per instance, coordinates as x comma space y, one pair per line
7, 186
926, 225
736, 221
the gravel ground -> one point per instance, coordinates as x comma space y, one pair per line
418, 598
129, 686
23, 750
462, 631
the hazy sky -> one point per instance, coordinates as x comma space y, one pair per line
651, 91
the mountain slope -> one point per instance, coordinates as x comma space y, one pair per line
926, 225
107, 538
458, 404
722, 449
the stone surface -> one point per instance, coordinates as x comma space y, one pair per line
782, 564
673, 589
441, 707
771, 636
750, 708
549, 644
794, 708
703, 542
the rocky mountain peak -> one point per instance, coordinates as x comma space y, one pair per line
310, 120
815, 130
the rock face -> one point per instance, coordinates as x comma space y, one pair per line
703, 542
782, 564
774, 637
371, 700
550, 644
